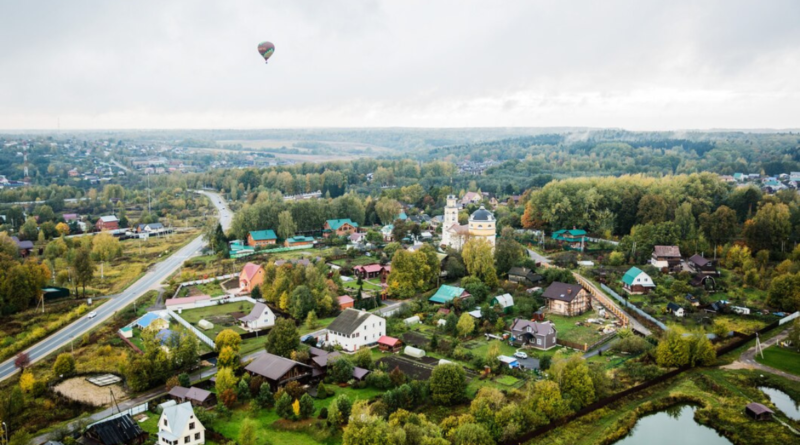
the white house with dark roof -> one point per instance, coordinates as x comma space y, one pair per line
353, 329
179, 426
260, 317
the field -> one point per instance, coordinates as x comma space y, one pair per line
137, 256
410, 368
781, 358
78, 388
221, 315
585, 333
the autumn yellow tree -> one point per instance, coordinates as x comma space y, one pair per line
62, 228
479, 260
105, 247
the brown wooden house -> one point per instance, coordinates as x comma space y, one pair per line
339, 227
279, 371
567, 299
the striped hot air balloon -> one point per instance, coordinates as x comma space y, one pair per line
266, 49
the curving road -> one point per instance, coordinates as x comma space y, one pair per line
151, 280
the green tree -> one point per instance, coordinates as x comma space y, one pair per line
29, 231
784, 292
576, 382
472, 434
769, 228
247, 433
265, 398
672, 351
225, 380
508, 251
339, 410
478, 258
311, 320
342, 370
447, 384
410, 274
286, 225
283, 338
64, 365
228, 358
701, 351
184, 380
363, 358
466, 324
83, 268
720, 226
105, 247
228, 337
306, 406
301, 302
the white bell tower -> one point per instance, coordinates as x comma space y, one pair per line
450, 218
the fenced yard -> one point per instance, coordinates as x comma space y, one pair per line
577, 329
223, 316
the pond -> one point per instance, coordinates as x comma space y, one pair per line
674, 425
782, 401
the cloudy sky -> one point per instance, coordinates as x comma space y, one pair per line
347, 63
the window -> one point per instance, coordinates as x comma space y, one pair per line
165, 422
196, 436
538, 341
187, 439
191, 426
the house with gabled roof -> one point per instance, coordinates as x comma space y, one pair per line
339, 227
354, 329
367, 271
574, 238
252, 275
109, 222
524, 276
636, 282
296, 241
116, 430
279, 371
666, 258
260, 317
566, 299
702, 265
195, 396
261, 238
447, 294
471, 198
178, 425
532, 333
675, 309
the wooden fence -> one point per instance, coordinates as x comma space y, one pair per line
129, 343
602, 299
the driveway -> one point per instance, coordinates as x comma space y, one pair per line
748, 359
538, 258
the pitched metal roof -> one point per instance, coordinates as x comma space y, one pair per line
348, 321
250, 269
116, 431
261, 235
757, 408
699, 260
631, 275
667, 251
178, 416
256, 313
562, 291
446, 293
272, 366
335, 224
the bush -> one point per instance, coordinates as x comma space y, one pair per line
64, 365
323, 413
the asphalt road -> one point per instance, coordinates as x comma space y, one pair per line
151, 280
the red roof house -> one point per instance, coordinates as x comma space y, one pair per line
345, 301
389, 344
252, 275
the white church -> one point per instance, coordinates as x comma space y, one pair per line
481, 224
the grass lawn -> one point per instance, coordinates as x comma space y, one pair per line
368, 285
211, 289
358, 261
568, 330
321, 323
781, 358
250, 345
219, 315
268, 425
507, 380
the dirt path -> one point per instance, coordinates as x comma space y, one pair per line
79, 389
748, 359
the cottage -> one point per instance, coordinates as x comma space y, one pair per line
109, 222
279, 371
260, 317
24, 247
574, 239
389, 344
345, 301
758, 411
354, 329
151, 229
636, 282
261, 238
566, 299
524, 276
152, 320
505, 301
297, 241
701, 265
357, 237
666, 258
120, 430
447, 294
178, 425
471, 198
195, 396
534, 334
252, 275
339, 227
675, 309
386, 233
368, 271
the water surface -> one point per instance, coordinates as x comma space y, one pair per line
782, 401
672, 426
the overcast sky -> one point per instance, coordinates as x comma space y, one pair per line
347, 63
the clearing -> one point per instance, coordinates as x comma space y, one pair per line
781, 358
223, 316
77, 388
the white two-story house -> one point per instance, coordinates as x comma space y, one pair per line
353, 329
179, 426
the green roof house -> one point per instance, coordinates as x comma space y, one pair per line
340, 227
447, 293
259, 238
636, 282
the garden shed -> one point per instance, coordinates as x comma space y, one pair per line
410, 321
205, 325
414, 352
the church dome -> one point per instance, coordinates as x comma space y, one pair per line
481, 215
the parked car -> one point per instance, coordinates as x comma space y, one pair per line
520, 354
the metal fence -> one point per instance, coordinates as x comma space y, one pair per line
202, 337
627, 304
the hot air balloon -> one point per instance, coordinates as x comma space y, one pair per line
266, 49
